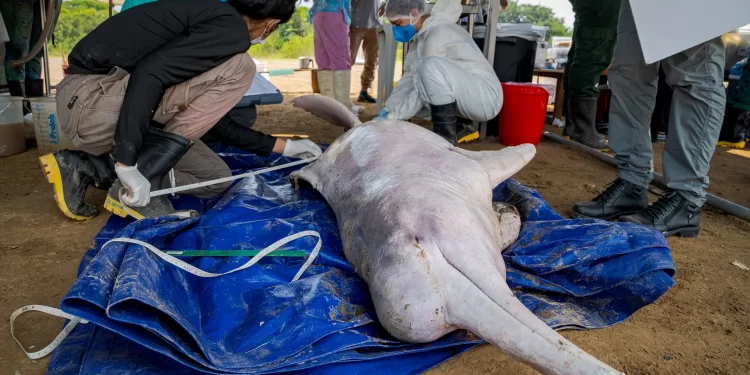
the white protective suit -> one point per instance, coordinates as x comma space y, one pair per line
444, 65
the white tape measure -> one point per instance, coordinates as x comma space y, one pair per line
169, 259
60, 337
231, 178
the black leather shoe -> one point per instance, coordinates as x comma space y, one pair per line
620, 198
364, 97
671, 214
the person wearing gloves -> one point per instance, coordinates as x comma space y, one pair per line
697, 78
445, 73
331, 20
136, 107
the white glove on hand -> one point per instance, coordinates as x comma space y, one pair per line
301, 149
137, 185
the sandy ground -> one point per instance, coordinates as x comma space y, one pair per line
701, 326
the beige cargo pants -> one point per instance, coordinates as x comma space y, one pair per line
188, 109
368, 39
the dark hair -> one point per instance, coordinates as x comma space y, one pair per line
265, 9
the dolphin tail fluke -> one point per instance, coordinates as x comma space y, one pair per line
327, 109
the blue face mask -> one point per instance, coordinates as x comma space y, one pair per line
404, 34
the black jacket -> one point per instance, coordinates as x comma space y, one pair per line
161, 44
234, 129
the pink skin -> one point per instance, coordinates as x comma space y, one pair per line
417, 223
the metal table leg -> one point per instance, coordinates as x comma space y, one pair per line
45, 63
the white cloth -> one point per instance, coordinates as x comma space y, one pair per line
444, 65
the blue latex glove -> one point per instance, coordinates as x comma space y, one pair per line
382, 115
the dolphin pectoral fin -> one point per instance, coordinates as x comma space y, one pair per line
305, 176
502, 164
328, 109
509, 222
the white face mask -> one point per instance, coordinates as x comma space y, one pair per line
260, 39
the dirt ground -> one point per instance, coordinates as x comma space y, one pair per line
701, 326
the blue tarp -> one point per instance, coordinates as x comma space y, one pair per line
150, 317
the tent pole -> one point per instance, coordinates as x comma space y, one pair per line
729, 207
45, 64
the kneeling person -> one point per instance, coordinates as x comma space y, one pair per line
444, 71
144, 87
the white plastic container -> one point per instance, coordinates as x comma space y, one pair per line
305, 62
12, 139
49, 138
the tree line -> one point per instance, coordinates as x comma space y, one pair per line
291, 40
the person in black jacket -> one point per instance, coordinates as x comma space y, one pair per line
141, 91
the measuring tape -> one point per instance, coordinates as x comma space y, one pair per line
60, 337
169, 259
228, 179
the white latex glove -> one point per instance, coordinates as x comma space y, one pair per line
304, 148
137, 185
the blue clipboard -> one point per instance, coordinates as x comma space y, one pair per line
261, 92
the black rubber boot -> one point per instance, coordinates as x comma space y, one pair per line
364, 97
619, 198
568, 127
71, 173
582, 116
466, 131
733, 130
244, 115
34, 88
444, 121
671, 214
160, 152
17, 88
105, 171
602, 128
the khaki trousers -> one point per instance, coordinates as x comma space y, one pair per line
368, 38
188, 109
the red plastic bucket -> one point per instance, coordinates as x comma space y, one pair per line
524, 110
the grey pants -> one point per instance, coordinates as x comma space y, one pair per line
696, 75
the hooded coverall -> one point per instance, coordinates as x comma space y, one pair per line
443, 66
